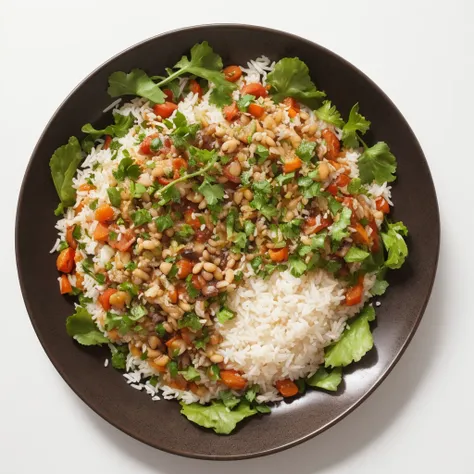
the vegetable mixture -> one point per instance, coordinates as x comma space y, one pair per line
192, 206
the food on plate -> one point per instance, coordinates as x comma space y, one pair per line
225, 234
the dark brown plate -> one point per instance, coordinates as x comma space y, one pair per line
159, 424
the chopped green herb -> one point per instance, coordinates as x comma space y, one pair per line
114, 196
224, 315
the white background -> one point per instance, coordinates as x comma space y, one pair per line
421, 53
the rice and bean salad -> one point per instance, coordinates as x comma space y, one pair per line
225, 234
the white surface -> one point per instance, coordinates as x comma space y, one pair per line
421, 54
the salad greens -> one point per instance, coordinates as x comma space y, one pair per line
63, 165
290, 78
395, 244
83, 329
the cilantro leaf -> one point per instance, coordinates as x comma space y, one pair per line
169, 194
266, 208
137, 83
285, 178
212, 192
119, 356
262, 153
249, 228
355, 185
224, 315
339, 229
355, 254
379, 287
63, 165
205, 63
334, 205
251, 393
193, 292
217, 416
191, 321
114, 196
290, 78
306, 150
119, 129
190, 374
140, 217
395, 244
292, 229
229, 399
326, 380
244, 102
297, 266
328, 113
377, 164
83, 329
127, 168
164, 222
356, 123
355, 342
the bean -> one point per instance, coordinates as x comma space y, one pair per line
218, 274
165, 267
153, 291
152, 353
216, 359
234, 168
248, 194
230, 146
230, 263
197, 268
209, 267
185, 306
323, 171
167, 327
149, 244
304, 116
207, 276
119, 299
139, 273
195, 197
238, 196
205, 255
220, 132
162, 360
269, 141
222, 284
153, 342
202, 204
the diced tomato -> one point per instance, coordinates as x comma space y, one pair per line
107, 142
165, 110
198, 282
128, 238
374, 236
256, 110
292, 164
382, 205
231, 112
104, 298
194, 222
71, 241
360, 236
332, 188
185, 267
343, 180
104, 213
294, 107
169, 95
332, 143
203, 235
310, 226
145, 144
233, 379
79, 281
178, 383
101, 233
195, 88
279, 255
173, 295
232, 73
179, 164
164, 181
254, 88
65, 260
354, 293
226, 172
65, 286
287, 388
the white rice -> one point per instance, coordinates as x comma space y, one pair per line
283, 325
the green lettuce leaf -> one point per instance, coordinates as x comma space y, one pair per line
328, 113
290, 78
356, 254
326, 380
356, 123
63, 165
339, 229
377, 164
83, 329
355, 342
217, 416
137, 83
395, 244
379, 287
